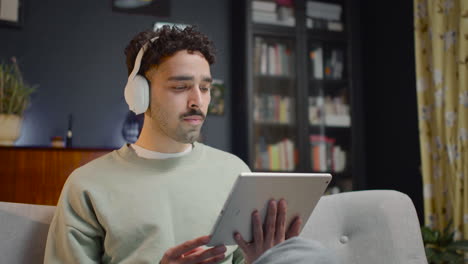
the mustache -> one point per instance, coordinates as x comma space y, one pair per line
193, 112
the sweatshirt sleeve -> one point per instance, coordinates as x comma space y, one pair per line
75, 235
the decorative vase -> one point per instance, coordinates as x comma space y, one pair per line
10, 128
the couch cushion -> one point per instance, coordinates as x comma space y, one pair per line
23, 232
368, 227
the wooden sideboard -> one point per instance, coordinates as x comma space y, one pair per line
36, 175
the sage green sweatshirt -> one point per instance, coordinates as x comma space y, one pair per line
121, 208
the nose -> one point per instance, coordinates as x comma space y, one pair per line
195, 98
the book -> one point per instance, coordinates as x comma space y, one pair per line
322, 6
263, 148
273, 109
288, 61
316, 58
327, 11
290, 154
338, 120
322, 24
339, 158
257, 108
264, 16
261, 18
277, 59
271, 60
265, 6
264, 59
276, 156
326, 15
282, 154
335, 26
326, 155
277, 108
329, 111
288, 111
334, 65
257, 61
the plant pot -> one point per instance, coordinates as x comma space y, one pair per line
10, 129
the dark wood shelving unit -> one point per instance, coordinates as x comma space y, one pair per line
250, 137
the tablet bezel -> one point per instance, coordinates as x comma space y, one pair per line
318, 183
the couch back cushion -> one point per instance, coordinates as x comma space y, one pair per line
368, 227
23, 232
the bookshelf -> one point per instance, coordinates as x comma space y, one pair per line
296, 97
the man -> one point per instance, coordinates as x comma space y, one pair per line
155, 201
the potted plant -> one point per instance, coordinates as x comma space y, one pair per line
441, 248
14, 99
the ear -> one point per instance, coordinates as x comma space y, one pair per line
151, 73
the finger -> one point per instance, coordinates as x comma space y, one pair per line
193, 251
257, 228
214, 260
280, 222
295, 228
241, 242
270, 224
205, 255
179, 250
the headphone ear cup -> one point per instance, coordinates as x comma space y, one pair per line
137, 94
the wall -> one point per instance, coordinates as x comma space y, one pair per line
390, 103
74, 51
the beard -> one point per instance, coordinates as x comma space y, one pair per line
182, 132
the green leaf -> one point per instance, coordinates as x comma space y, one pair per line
435, 255
451, 257
446, 239
430, 253
14, 91
448, 227
447, 236
437, 259
429, 235
458, 245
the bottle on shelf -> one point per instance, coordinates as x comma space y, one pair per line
69, 138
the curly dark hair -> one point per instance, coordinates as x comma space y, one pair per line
171, 40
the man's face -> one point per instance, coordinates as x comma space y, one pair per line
180, 95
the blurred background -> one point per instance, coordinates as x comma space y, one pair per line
355, 57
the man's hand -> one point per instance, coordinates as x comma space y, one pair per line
191, 252
272, 233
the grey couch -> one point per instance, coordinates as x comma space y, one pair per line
366, 227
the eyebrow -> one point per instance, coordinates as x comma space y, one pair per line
188, 78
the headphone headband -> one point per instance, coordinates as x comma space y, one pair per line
138, 59
137, 90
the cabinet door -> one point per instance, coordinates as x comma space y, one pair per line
274, 104
328, 101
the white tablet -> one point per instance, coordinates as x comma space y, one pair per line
253, 190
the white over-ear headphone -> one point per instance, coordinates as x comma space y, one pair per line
137, 90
